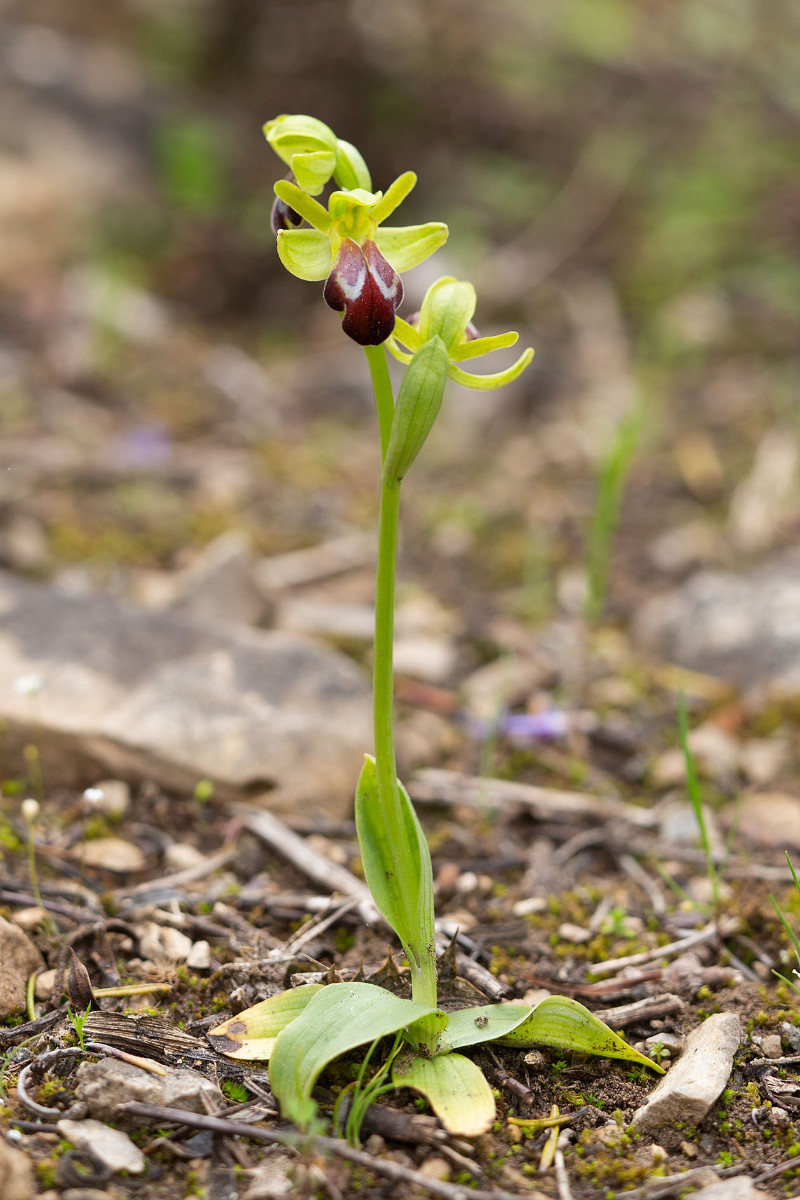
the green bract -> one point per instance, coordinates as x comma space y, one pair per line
447, 312
357, 215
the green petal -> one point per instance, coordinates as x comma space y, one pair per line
310, 210
341, 204
483, 345
305, 253
394, 349
395, 195
408, 246
306, 145
485, 383
447, 309
406, 334
312, 171
351, 170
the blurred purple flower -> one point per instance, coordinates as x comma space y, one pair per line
523, 729
143, 447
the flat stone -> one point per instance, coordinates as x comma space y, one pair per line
110, 796
18, 958
696, 1080
771, 1046
16, 1174
107, 1084
741, 1187
742, 628
167, 697
113, 1148
112, 854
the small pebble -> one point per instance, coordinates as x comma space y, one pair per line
112, 854
792, 1035
45, 982
436, 1168
771, 1045
29, 918
530, 905
199, 958
779, 1117
181, 856
574, 934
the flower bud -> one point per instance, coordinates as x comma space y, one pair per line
418, 404
307, 146
30, 810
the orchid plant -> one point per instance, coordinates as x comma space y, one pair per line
300, 1032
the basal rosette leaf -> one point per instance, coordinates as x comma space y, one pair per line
565, 1024
338, 1018
251, 1034
455, 1088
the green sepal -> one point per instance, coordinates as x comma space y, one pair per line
337, 1019
418, 403
408, 245
308, 208
305, 253
399, 875
251, 1034
455, 1088
565, 1024
350, 171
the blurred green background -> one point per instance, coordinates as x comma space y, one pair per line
622, 182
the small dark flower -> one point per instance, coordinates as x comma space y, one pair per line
366, 287
283, 216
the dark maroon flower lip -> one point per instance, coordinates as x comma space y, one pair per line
366, 287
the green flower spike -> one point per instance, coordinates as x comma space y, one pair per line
447, 312
360, 262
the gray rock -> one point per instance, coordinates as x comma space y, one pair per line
168, 697
741, 1187
221, 585
690, 1087
18, 958
16, 1174
113, 1148
746, 629
105, 1085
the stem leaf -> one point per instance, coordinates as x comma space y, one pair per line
398, 872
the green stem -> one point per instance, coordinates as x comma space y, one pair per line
422, 961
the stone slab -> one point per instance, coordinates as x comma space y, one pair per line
166, 697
